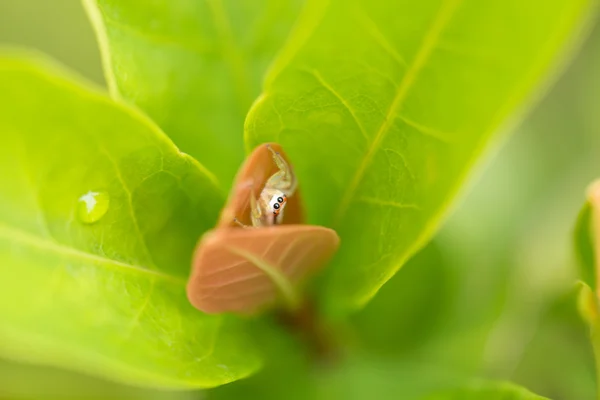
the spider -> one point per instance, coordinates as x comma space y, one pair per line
267, 210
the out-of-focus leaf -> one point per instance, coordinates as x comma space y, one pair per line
584, 249
384, 108
360, 377
587, 245
26, 381
561, 340
357, 377
99, 215
194, 66
59, 28
287, 372
411, 307
587, 236
488, 391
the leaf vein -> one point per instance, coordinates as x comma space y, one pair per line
12, 234
227, 268
371, 27
234, 280
440, 21
386, 203
281, 282
339, 97
427, 131
156, 38
128, 192
404, 161
136, 318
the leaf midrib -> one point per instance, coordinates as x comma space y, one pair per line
15, 235
440, 21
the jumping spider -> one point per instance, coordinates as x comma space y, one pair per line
268, 209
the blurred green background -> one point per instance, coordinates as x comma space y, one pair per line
501, 304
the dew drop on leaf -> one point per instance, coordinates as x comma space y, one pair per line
92, 206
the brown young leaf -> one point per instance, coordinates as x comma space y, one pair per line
252, 176
244, 270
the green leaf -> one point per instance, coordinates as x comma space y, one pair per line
384, 108
360, 376
488, 391
54, 383
103, 292
561, 339
409, 307
584, 249
589, 310
586, 245
194, 66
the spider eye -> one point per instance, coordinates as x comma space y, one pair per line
276, 206
280, 199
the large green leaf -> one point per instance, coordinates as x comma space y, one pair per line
103, 291
194, 66
488, 391
384, 107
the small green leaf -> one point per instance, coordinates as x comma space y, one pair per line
488, 391
103, 289
587, 245
194, 66
384, 108
584, 246
587, 304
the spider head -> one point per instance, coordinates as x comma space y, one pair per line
277, 203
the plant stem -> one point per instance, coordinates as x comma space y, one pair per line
306, 323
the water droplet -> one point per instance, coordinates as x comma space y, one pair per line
92, 206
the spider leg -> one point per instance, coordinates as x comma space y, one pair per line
284, 179
237, 221
279, 218
255, 211
279, 161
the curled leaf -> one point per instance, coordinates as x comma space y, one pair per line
251, 178
587, 237
587, 304
244, 270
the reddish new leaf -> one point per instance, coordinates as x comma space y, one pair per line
253, 175
244, 270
